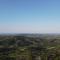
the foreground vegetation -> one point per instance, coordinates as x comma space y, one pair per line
30, 47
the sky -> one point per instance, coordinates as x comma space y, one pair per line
29, 16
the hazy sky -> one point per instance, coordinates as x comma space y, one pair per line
29, 16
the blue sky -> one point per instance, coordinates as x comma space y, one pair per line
29, 16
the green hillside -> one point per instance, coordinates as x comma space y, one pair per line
30, 47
